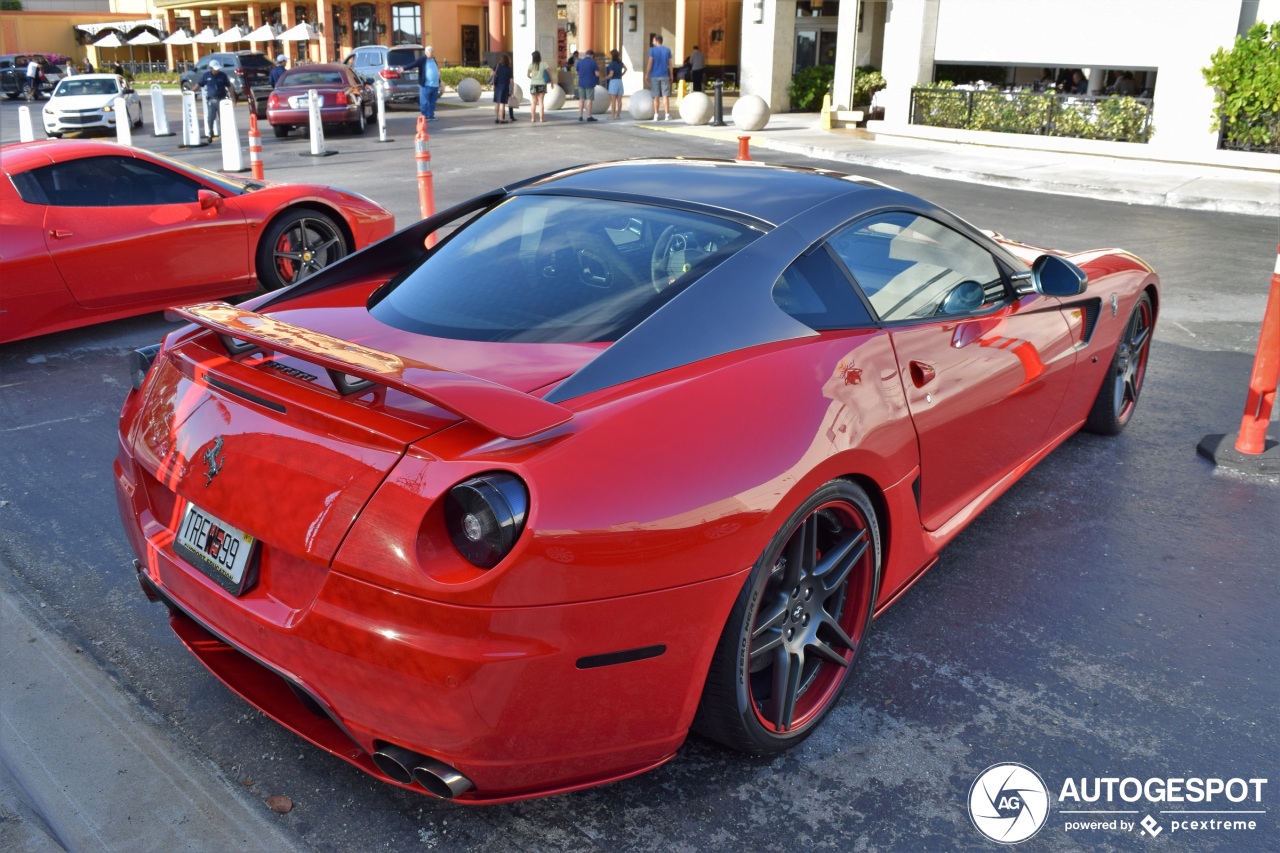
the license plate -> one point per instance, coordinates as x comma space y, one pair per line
216, 548
305, 101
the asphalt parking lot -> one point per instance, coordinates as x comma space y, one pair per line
1112, 616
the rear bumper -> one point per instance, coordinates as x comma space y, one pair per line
524, 702
328, 115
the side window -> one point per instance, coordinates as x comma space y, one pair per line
911, 267
815, 291
112, 182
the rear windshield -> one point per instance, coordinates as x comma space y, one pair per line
557, 269
403, 56
256, 60
311, 78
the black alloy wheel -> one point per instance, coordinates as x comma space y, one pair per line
299, 243
797, 627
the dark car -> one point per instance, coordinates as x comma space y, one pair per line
246, 68
636, 448
345, 99
379, 65
13, 73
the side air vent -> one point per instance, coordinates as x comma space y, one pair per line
1091, 308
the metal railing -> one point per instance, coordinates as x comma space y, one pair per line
1123, 119
1241, 134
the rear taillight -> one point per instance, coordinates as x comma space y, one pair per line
239, 72
341, 99
390, 74
484, 516
273, 102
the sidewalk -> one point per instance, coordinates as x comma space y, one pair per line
1248, 191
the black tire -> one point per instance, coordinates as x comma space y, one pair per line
357, 127
1118, 397
53, 135
300, 242
281, 130
797, 627
188, 85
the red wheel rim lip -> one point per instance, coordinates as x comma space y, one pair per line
828, 679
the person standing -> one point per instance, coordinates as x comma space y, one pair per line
657, 72
216, 86
282, 63
428, 81
539, 80
613, 80
697, 63
588, 79
501, 76
33, 77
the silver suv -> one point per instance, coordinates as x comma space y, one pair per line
379, 65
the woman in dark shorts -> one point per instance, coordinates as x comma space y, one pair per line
539, 81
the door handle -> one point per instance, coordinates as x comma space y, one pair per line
59, 234
921, 374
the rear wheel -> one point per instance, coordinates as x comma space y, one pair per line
360, 123
1118, 396
797, 627
296, 245
281, 130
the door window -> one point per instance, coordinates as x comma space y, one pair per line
912, 267
110, 182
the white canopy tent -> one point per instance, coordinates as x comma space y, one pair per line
205, 36
233, 34
266, 32
301, 32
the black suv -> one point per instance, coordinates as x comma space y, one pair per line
246, 68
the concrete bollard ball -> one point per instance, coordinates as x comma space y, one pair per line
554, 99
641, 105
696, 108
600, 101
469, 89
750, 113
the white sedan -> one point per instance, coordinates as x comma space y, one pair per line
88, 101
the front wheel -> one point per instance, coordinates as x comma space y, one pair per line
797, 627
296, 245
1118, 396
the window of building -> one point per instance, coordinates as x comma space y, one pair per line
406, 23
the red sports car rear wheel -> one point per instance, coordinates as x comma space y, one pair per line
797, 627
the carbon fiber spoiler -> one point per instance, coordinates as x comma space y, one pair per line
497, 408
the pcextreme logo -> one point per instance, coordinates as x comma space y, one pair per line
1009, 803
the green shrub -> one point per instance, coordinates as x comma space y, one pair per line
866, 83
1246, 83
1122, 119
808, 87
10, 5
454, 74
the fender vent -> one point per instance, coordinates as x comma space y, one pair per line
1091, 308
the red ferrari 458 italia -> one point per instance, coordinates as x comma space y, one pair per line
95, 231
603, 466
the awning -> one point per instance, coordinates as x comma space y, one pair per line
109, 40
206, 36
178, 37
301, 32
232, 35
122, 26
145, 37
266, 32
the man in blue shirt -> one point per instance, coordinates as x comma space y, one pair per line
278, 71
428, 82
588, 79
216, 86
657, 70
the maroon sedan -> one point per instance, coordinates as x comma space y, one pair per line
344, 98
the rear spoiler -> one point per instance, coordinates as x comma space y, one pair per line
497, 408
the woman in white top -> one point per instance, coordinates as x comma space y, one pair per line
539, 80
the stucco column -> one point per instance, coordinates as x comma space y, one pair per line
224, 19
533, 27
766, 54
254, 14
324, 16
846, 51
495, 26
910, 40
170, 25
586, 26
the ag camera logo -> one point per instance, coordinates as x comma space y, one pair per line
1008, 803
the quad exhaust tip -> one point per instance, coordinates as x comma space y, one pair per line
406, 766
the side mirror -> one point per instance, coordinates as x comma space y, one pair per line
1055, 276
210, 200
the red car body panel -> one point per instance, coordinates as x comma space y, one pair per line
648, 507
67, 266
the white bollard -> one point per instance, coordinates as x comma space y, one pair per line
382, 112
317, 128
159, 117
232, 155
25, 132
190, 122
124, 124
